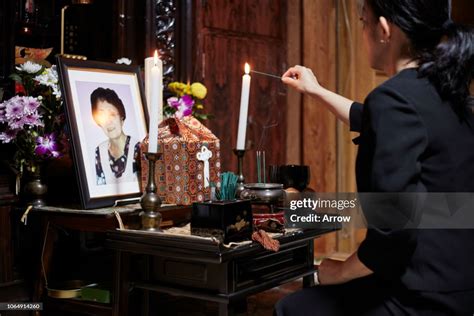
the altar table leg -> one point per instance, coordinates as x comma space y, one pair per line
225, 310
308, 281
121, 283
149, 301
233, 309
47, 246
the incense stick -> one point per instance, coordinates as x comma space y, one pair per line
265, 74
258, 166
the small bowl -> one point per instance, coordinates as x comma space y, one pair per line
263, 192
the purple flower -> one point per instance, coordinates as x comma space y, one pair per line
33, 119
29, 120
20, 111
8, 136
187, 100
17, 124
173, 102
46, 146
31, 104
187, 111
183, 105
184, 110
14, 108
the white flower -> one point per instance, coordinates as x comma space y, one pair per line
29, 67
57, 92
123, 61
49, 78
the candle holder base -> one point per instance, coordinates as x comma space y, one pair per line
151, 221
241, 179
150, 201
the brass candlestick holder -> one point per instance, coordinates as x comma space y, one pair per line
240, 170
150, 201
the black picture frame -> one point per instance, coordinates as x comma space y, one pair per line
90, 140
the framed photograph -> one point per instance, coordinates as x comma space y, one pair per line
108, 119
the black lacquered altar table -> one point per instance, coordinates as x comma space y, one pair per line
203, 269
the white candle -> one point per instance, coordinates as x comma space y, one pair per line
244, 108
149, 64
156, 102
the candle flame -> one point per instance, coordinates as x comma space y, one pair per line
155, 57
247, 68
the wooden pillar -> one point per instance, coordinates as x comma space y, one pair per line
319, 125
294, 99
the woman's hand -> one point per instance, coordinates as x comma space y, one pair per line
302, 79
331, 272
337, 272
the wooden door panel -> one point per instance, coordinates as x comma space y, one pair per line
230, 33
223, 70
254, 17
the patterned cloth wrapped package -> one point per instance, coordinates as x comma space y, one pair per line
189, 164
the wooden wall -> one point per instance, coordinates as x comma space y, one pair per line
463, 11
331, 45
230, 33
7, 51
294, 103
319, 125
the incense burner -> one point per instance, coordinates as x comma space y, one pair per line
263, 192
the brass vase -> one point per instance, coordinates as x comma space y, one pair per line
35, 189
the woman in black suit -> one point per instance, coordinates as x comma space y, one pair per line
416, 135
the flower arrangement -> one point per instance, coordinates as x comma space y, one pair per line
188, 100
33, 119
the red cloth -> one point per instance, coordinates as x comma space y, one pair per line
266, 241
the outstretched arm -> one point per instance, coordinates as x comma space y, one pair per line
303, 80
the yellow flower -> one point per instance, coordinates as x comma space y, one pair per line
187, 89
181, 86
173, 87
198, 90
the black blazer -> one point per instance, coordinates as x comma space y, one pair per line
413, 141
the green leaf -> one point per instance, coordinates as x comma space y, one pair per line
203, 117
16, 77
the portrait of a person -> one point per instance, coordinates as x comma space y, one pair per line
116, 157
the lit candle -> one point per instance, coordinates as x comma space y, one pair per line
244, 108
156, 102
149, 64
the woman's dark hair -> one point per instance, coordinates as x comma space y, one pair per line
445, 50
107, 95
